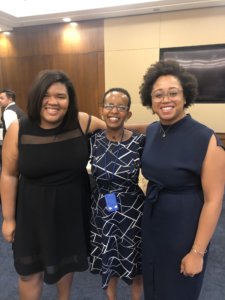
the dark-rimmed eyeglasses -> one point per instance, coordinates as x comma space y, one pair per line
172, 94
109, 106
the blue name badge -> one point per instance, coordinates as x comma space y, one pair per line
111, 202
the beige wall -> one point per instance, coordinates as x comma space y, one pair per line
133, 43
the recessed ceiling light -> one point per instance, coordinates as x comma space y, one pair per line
66, 19
74, 24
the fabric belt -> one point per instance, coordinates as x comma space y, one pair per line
154, 189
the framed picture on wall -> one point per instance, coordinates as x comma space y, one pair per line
207, 63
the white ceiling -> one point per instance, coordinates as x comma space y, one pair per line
20, 13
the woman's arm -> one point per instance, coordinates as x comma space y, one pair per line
95, 124
213, 183
9, 181
139, 128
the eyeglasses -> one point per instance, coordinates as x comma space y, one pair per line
109, 106
172, 94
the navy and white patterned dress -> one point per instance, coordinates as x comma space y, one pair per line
116, 236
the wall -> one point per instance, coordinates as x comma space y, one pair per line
133, 43
79, 51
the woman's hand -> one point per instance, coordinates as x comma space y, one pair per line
8, 230
191, 264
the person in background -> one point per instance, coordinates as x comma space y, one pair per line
184, 162
45, 187
117, 200
11, 111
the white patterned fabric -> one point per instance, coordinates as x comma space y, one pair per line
116, 236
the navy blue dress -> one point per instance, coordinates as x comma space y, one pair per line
174, 200
116, 236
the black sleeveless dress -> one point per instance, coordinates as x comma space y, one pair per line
172, 207
52, 215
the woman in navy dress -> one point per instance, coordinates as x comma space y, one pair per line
117, 200
185, 164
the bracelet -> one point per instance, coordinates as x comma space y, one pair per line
201, 253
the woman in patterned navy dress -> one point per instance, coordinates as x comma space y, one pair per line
185, 165
117, 200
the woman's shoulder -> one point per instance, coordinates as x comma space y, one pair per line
206, 133
134, 138
152, 126
98, 134
138, 136
89, 123
83, 120
199, 129
24, 123
26, 126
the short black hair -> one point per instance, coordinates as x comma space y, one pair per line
119, 90
168, 67
38, 90
9, 93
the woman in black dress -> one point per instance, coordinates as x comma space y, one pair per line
185, 164
45, 187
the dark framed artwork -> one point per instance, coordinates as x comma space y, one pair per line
207, 63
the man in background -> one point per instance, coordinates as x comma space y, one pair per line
11, 110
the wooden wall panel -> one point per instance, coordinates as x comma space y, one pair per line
59, 38
8, 45
221, 135
78, 51
1, 74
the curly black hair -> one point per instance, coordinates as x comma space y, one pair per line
168, 67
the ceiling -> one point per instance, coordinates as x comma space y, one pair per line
20, 13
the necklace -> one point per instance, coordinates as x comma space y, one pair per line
111, 163
112, 145
163, 131
113, 138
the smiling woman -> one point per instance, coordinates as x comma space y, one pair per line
117, 200
184, 162
45, 187
168, 100
54, 106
